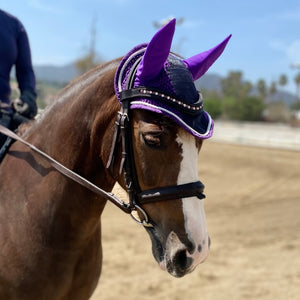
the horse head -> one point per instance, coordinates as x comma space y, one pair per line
157, 93
166, 155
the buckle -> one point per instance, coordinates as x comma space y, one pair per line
145, 222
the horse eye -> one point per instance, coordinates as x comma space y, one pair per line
152, 139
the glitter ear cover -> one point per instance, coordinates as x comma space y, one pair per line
174, 81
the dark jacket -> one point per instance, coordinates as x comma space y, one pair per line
15, 50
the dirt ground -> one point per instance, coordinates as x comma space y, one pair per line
253, 216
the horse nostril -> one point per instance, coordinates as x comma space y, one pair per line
181, 261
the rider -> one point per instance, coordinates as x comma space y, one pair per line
15, 51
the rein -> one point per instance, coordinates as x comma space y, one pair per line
70, 174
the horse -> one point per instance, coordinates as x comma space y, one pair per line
50, 225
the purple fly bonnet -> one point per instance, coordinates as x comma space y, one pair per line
156, 80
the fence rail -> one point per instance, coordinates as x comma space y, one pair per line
278, 136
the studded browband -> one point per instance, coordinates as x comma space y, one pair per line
143, 92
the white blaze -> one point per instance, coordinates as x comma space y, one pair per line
193, 209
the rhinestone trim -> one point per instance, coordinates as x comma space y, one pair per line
195, 107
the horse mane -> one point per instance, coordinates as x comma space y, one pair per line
73, 88
87, 79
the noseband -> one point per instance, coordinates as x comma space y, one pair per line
137, 197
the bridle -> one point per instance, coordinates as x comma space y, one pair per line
126, 94
137, 198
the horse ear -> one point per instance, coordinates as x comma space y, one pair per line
156, 53
201, 62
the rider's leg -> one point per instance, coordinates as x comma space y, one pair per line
5, 120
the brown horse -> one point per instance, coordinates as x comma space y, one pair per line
50, 226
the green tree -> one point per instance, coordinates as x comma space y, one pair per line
247, 109
213, 106
252, 109
296, 105
262, 89
273, 88
297, 81
283, 80
237, 103
234, 86
232, 108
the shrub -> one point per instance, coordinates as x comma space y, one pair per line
214, 107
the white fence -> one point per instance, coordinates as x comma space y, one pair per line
279, 136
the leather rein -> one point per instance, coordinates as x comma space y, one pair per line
69, 173
136, 196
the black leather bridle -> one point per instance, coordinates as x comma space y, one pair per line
137, 197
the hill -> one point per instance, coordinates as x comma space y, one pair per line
212, 82
209, 82
59, 74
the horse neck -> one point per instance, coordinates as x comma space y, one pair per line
77, 131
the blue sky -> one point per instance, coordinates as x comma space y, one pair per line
265, 33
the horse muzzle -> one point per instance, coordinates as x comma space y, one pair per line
182, 258
176, 257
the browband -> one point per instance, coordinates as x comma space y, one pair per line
143, 92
